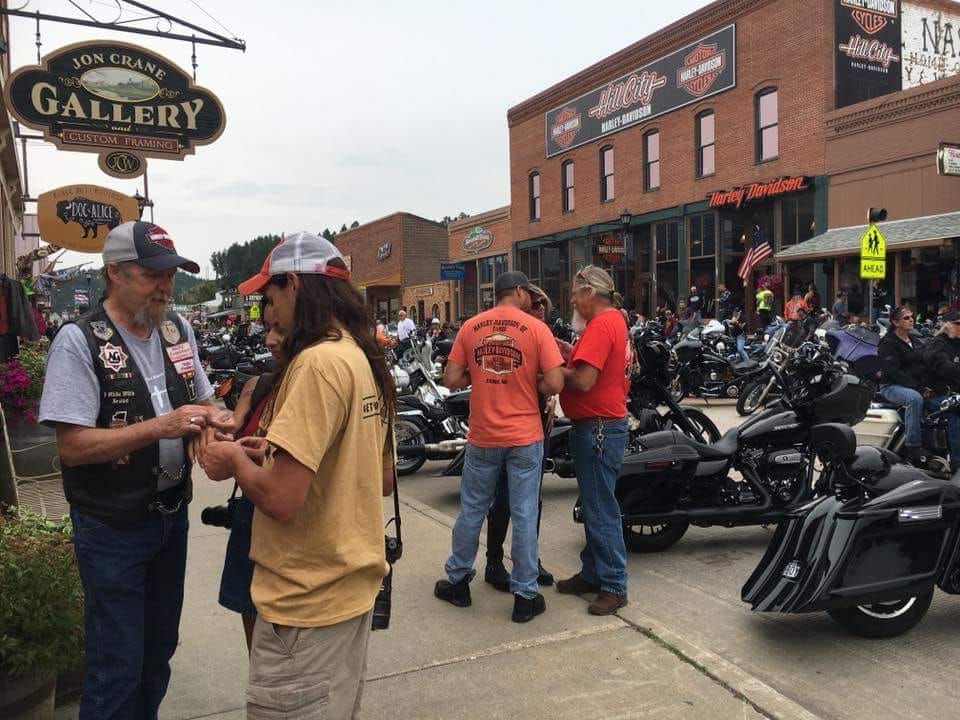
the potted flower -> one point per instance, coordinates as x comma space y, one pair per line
41, 612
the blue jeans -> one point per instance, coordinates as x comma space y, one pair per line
912, 402
478, 486
742, 347
597, 450
133, 593
953, 427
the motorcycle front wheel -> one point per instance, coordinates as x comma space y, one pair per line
705, 429
408, 431
883, 620
653, 538
678, 388
753, 396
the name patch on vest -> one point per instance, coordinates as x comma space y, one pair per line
112, 357
180, 352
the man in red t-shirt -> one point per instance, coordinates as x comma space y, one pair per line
508, 356
594, 398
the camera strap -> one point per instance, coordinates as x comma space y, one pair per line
396, 509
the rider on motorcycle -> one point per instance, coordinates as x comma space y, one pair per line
904, 379
942, 358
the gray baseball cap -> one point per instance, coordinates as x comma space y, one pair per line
509, 280
145, 244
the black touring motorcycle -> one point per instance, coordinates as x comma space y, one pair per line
871, 549
669, 480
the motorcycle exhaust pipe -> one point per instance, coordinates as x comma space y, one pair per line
443, 450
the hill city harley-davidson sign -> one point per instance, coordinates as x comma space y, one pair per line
703, 68
115, 99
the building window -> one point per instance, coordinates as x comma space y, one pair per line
768, 128
534, 196
796, 219
606, 174
703, 250
706, 157
566, 182
651, 160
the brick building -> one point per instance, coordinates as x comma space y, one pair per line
395, 262
482, 244
665, 161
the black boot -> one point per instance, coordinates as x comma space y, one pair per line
454, 593
496, 574
915, 455
544, 578
525, 610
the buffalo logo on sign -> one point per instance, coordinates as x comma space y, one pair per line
108, 97
77, 217
566, 125
701, 68
476, 240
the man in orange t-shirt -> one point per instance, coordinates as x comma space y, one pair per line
594, 398
508, 356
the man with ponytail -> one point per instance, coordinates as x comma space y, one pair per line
316, 478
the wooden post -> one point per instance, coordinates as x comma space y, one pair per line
836, 278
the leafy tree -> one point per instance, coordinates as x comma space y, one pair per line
239, 261
343, 228
354, 224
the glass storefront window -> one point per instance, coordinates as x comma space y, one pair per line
797, 219
703, 245
667, 240
470, 288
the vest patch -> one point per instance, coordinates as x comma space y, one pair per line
112, 357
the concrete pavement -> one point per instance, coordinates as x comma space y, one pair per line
438, 661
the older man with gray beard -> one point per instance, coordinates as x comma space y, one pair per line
125, 390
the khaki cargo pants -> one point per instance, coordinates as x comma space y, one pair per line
307, 673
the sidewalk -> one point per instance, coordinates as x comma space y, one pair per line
438, 661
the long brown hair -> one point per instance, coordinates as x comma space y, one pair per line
324, 308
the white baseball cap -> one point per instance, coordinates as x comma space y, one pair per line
303, 253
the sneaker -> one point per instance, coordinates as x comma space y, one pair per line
496, 574
544, 578
607, 603
576, 586
525, 610
454, 593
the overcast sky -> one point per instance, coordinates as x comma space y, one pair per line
347, 110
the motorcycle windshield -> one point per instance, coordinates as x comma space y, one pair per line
831, 554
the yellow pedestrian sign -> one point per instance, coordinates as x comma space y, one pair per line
873, 253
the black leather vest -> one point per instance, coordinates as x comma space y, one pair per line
120, 492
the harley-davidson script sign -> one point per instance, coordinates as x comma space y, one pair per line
109, 96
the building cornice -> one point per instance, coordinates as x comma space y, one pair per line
502, 213
935, 97
656, 45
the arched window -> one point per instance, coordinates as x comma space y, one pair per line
606, 173
533, 182
566, 182
768, 125
705, 142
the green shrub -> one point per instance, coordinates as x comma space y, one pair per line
41, 599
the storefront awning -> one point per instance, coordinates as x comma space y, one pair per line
899, 234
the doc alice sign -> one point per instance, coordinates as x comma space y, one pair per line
115, 99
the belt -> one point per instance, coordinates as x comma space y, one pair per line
593, 420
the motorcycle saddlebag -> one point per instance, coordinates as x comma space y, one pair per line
830, 554
654, 480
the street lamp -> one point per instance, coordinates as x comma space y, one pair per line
625, 218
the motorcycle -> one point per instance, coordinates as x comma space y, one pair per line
669, 480
704, 370
871, 550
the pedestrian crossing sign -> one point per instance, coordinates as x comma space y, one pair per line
873, 253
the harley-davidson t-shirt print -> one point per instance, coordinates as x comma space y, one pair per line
504, 349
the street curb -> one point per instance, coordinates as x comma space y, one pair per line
764, 698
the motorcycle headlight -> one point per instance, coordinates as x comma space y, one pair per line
721, 347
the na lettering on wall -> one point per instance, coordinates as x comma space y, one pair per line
930, 44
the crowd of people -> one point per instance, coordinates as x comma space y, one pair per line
310, 450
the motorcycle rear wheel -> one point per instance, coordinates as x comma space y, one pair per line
883, 620
653, 538
410, 432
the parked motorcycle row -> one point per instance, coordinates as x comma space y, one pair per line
860, 534
231, 361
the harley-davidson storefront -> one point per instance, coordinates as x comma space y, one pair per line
657, 257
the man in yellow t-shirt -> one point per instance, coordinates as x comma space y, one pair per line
326, 460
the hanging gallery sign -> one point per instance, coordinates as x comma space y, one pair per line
118, 100
698, 70
78, 217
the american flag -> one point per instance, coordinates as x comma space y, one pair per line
759, 250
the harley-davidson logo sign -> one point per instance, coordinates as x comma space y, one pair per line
498, 354
872, 15
566, 125
612, 248
701, 68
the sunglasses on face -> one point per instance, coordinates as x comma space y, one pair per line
537, 304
